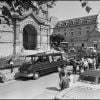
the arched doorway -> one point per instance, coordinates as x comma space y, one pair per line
29, 37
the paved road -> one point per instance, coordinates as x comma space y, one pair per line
46, 87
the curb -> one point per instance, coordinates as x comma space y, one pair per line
8, 82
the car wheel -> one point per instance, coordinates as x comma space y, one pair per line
36, 75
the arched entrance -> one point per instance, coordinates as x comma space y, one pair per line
29, 37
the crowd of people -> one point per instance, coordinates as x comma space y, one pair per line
79, 66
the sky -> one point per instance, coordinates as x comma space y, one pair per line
65, 10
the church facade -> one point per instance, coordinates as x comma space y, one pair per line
32, 33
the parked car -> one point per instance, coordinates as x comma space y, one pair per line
87, 87
41, 63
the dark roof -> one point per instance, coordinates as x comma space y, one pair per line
84, 17
94, 73
63, 22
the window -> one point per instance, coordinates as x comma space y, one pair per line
88, 27
79, 28
64, 29
28, 59
95, 45
71, 29
72, 33
82, 44
79, 33
70, 22
88, 31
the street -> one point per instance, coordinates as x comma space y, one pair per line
46, 87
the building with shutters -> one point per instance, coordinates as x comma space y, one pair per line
80, 32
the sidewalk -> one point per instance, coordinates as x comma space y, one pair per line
7, 75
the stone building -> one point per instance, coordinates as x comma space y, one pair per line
80, 32
32, 33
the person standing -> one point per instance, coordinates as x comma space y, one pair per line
86, 66
11, 64
64, 82
90, 62
74, 64
94, 63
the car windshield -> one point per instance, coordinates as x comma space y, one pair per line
87, 78
27, 59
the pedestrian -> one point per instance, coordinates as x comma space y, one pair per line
11, 64
80, 66
74, 64
94, 63
86, 66
64, 82
71, 78
90, 62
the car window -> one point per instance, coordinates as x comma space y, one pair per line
57, 58
28, 59
87, 78
41, 59
45, 58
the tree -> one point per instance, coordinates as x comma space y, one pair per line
17, 9
84, 4
56, 39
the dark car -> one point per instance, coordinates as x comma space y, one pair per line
41, 63
87, 87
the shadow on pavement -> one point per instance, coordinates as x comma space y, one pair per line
23, 79
53, 88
